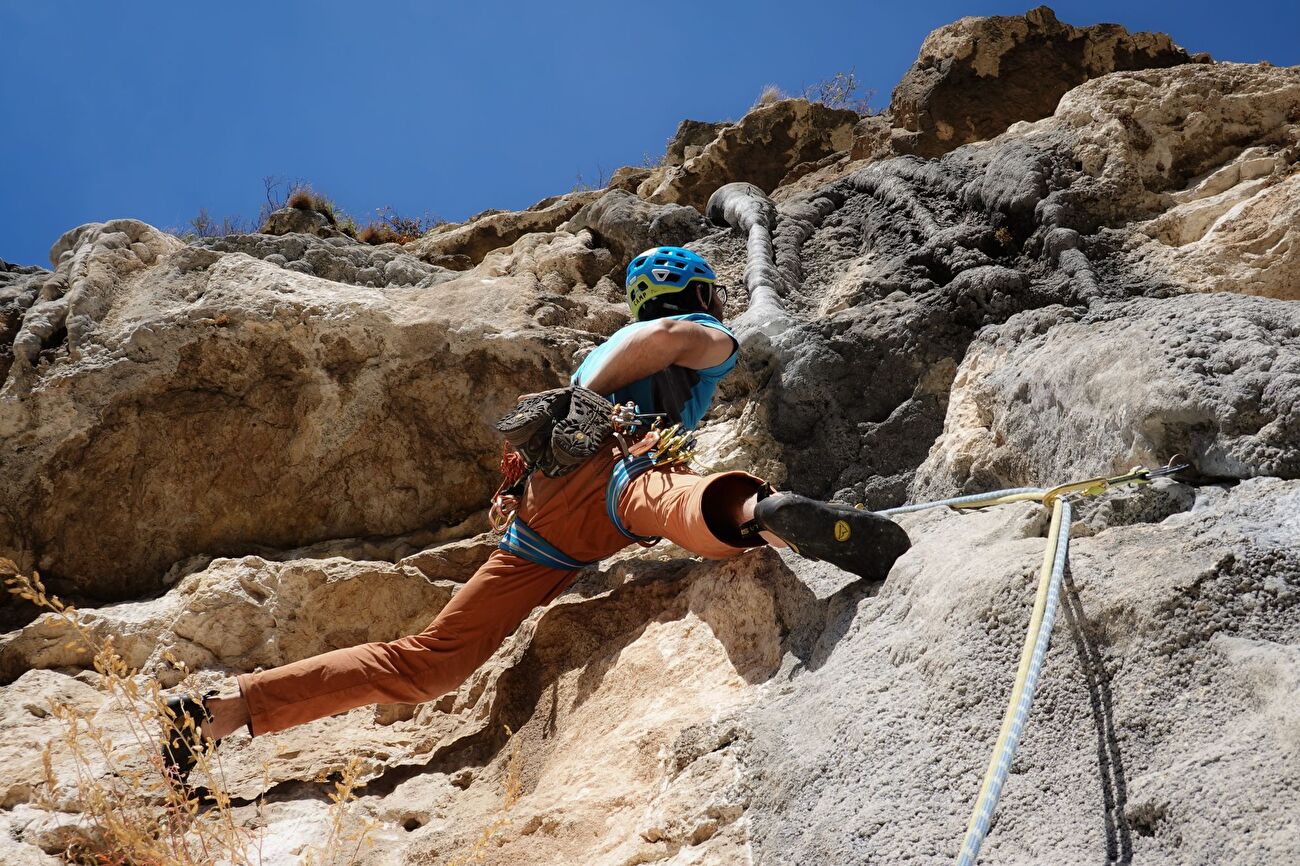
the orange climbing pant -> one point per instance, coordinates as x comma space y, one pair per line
570, 513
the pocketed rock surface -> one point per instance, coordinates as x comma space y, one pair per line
247, 450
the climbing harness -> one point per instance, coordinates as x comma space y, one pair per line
1046, 601
657, 447
526, 543
531, 441
555, 431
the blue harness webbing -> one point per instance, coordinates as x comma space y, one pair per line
624, 472
525, 542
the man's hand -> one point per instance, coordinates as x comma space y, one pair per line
658, 346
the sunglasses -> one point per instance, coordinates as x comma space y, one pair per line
719, 292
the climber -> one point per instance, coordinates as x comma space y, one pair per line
669, 360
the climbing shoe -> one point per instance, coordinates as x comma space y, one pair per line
533, 413
182, 737
850, 538
583, 431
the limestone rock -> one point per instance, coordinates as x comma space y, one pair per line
463, 245
887, 273
628, 225
1235, 230
272, 445
761, 148
204, 401
1173, 652
977, 76
29, 724
690, 138
294, 220
1138, 138
1051, 395
13, 850
20, 286
628, 178
240, 614
338, 259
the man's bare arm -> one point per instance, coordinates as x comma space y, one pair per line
657, 347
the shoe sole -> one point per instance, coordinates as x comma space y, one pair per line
531, 414
856, 540
585, 428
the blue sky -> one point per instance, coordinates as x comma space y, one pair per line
155, 109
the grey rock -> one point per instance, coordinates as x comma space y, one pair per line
339, 259
1173, 653
1213, 377
628, 225
292, 220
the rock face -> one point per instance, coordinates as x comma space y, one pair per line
977, 76
244, 451
214, 383
1215, 378
338, 259
463, 245
628, 225
295, 220
220, 618
762, 148
1174, 651
19, 288
903, 248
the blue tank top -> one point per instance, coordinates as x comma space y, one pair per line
684, 394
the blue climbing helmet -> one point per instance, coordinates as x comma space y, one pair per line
664, 271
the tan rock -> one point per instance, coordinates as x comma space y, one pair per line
220, 401
977, 76
462, 245
1235, 230
240, 614
28, 724
1142, 137
292, 220
761, 148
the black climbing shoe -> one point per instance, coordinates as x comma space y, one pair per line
181, 734
850, 538
582, 432
533, 413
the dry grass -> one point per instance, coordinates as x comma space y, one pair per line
302, 199
770, 94
841, 90
391, 227
348, 833
514, 787
131, 811
377, 233
305, 198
